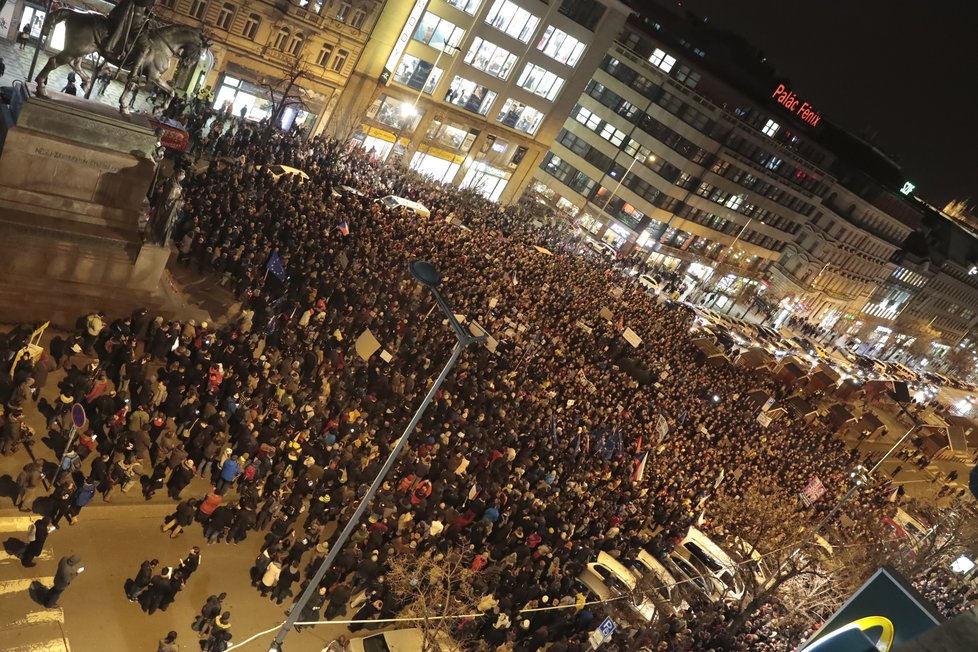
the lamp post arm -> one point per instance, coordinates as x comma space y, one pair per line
313, 586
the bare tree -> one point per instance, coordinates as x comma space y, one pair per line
285, 93
437, 588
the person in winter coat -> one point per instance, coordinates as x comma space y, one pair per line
270, 578
181, 518
82, 496
37, 534
169, 643
28, 482
68, 570
220, 634
219, 521
208, 505
208, 613
339, 597
311, 612
229, 473
180, 478
244, 520
139, 583
283, 588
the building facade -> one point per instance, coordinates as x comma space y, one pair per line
677, 158
473, 92
257, 46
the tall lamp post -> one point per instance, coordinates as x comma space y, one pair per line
425, 274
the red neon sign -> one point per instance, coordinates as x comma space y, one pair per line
790, 101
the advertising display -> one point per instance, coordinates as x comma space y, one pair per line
884, 612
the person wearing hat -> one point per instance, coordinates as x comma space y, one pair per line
180, 478
219, 635
68, 569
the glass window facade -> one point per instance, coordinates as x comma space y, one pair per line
513, 20
438, 32
520, 117
470, 96
540, 81
489, 57
560, 46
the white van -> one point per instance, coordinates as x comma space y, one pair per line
394, 202
607, 578
665, 585
400, 640
705, 554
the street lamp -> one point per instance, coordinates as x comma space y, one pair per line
425, 274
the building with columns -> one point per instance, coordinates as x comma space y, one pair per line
473, 92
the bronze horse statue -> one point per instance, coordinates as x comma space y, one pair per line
147, 58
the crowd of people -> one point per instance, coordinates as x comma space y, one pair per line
527, 459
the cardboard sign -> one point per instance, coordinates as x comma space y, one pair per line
632, 337
385, 356
366, 345
616, 292
606, 314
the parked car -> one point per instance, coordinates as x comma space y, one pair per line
607, 578
649, 282
400, 640
647, 567
413, 207
603, 248
706, 554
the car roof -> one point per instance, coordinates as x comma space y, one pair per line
617, 568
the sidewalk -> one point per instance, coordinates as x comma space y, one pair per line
18, 63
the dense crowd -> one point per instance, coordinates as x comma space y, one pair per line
527, 457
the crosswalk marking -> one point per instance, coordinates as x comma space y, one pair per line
39, 617
55, 645
6, 556
16, 523
14, 586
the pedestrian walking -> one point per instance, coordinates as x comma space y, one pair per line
339, 597
270, 577
181, 518
28, 481
169, 643
220, 635
68, 569
82, 496
37, 534
61, 497
208, 613
312, 609
139, 583
283, 588
158, 592
188, 565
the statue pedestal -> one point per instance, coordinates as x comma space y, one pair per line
73, 177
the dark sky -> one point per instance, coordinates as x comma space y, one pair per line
907, 71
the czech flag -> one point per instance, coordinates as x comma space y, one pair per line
344, 228
640, 467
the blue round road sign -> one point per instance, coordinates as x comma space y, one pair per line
78, 415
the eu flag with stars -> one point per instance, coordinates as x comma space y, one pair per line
275, 267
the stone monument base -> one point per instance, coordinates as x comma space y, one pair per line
73, 177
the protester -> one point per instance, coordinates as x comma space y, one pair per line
68, 569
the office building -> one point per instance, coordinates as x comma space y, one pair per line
473, 92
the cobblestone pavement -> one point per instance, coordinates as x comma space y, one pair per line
18, 62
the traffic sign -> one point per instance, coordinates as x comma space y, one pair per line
78, 416
607, 627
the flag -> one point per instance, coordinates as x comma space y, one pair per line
515, 282
275, 267
344, 228
640, 462
553, 431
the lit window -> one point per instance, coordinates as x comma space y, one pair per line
468, 6
588, 119
540, 81
490, 58
662, 61
513, 20
343, 11
612, 135
520, 117
774, 163
417, 73
770, 128
438, 32
470, 96
560, 46
734, 202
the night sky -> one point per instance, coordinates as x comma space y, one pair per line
904, 71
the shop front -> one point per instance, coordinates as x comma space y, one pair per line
390, 121
443, 150
239, 93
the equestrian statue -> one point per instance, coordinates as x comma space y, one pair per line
128, 39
